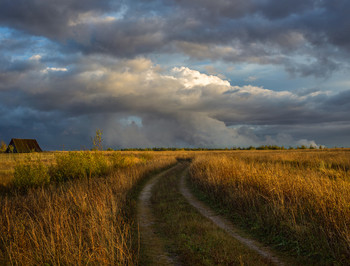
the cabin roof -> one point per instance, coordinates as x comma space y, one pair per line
24, 145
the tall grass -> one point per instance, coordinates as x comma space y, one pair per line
74, 165
79, 221
298, 201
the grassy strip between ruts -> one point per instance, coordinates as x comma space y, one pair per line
186, 233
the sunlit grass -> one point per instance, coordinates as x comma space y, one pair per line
298, 201
295, 200
78, 221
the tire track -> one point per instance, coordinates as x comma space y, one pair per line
226, 225
151, 245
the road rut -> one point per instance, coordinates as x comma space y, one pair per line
150, 243
226, 225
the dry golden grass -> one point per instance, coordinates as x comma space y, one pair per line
299, 200
8, 162
81, 221
296, 199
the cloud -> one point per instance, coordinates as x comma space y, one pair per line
47, 18
172, 107
191, 78
254, 31
61, 69
94, 64
36, 57
251, 79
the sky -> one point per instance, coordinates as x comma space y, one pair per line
175, 73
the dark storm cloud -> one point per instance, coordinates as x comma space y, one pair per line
180, 107
257, 31
69, 67
8, 65
51, 129
47, 18
330, 133
125, 38
339, 103
239, 8
12, 44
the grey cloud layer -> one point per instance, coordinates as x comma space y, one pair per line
255, 31
179, 107
68, 67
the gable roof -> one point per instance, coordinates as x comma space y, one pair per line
24, 145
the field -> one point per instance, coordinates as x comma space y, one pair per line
84, 221
296, 201
81, 207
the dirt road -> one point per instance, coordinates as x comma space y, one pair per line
152, 247
153, 252
226, 225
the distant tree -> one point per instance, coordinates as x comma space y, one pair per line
97, 141
3, 146
11, 148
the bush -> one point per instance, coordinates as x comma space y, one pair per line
31, 174
73, 165
3, 146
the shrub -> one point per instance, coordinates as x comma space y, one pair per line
30, 173
11, 148
3, 146
73, 165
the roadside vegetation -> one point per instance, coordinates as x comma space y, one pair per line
295, 201
79, 212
